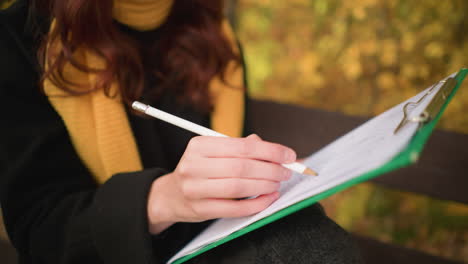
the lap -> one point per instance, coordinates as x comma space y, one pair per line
307, 236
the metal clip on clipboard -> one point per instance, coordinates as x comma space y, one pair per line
432, 108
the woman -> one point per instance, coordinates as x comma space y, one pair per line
86, 180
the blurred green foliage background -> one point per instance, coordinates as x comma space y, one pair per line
361, 57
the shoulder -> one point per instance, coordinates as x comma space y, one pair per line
13, 19
18, 46
13, 35
21, 28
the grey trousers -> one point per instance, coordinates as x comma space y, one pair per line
307, 236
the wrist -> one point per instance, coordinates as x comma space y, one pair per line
159, 217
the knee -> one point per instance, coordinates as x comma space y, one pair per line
309, 236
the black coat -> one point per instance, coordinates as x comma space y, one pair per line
53, 209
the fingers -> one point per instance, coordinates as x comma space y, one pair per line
251, 147
228, 188
213, 170
219, 208
235, 168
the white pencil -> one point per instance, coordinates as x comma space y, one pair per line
203, 131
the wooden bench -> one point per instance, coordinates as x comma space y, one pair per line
441, 171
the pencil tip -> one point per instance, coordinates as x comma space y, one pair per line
310, 172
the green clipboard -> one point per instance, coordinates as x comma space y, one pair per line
428, 119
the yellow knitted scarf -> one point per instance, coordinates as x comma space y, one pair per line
98, 125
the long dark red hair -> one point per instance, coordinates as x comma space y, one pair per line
189, 52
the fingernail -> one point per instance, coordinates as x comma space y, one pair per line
290, 156
287, 174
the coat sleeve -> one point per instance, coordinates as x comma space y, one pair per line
54, 211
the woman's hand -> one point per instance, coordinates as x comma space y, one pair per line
211, 174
